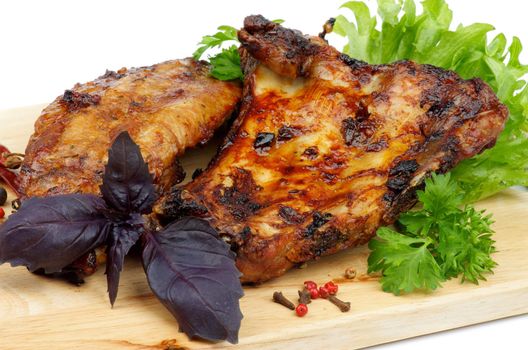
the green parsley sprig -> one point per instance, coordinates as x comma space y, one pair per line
438, 242
225, 65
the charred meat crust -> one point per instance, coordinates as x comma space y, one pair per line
307, 173
290, 56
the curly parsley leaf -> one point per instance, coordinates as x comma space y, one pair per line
225, 34
406, 262
435, 243
399, 32
226, 65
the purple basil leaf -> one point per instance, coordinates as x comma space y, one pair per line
127, 184
120, 241
51, 232
192, 272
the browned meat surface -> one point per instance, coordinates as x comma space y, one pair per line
327, 149
166, 108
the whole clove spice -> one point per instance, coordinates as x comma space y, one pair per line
305, 296
281, 299
344, 306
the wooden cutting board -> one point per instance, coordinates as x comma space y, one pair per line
42, 313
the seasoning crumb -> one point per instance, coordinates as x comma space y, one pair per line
350, 273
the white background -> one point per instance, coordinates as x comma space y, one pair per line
47, 46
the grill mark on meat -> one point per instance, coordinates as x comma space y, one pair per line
318, 220
239, 197
326, 240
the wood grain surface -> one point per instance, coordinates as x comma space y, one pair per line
43, 313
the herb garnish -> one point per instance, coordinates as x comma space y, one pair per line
436, 243
189, 268
225, 65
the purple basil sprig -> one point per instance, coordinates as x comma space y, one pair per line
188, 267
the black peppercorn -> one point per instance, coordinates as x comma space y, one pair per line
3, 196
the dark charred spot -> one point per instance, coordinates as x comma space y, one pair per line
246, 233
451, 154
238, 199
470, 109
176, 206
352, 62
77, 100
327, 240
348, 129
263, 141
362, 112
311, 152
404, 167
111, 74
397, 183
400, 175
357, 133
287, 133
318, 220
440, 109
197, 172
290, 215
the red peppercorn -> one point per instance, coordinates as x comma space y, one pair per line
2, 213
310, 285
301, 310
323, 292
331, 287
314, 293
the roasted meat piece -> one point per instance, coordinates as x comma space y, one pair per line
166, 108
326, 148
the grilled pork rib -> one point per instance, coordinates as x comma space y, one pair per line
166, 108
326, 148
